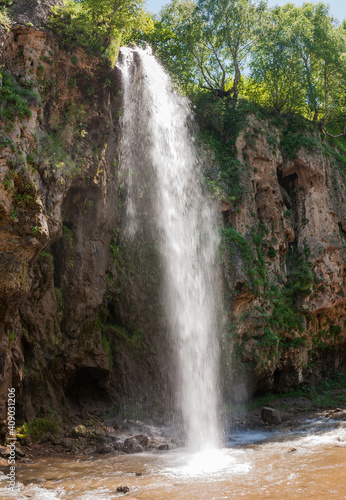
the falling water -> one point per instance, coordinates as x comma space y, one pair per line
158, 145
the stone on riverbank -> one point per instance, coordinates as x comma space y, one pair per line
270, 415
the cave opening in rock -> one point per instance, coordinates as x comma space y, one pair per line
288, 184
88, 386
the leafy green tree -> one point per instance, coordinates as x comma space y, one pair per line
99, 26
141, 28
230, 28
173, 40
206, 43
167, 34
111, 16
275, 61
321, 51
298, 65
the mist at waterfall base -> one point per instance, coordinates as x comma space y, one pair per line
164, 179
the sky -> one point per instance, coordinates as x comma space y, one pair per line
337, 7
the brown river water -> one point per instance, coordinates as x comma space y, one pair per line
307, 463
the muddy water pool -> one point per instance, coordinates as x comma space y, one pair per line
307, 463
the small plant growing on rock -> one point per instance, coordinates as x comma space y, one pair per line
14, 215
271, 253
15, 100
37, 428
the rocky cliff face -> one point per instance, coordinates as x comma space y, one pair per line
62, 345
287, 277
80, 320
33, 12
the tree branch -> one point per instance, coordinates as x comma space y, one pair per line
333, 135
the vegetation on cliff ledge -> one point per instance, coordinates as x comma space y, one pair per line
289, 59
15, 99
98, 26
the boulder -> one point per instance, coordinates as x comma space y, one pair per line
123, 489
270, 415
337, 415
106, 448
131, 445
4, 451
35, 12
80, 431
142, 439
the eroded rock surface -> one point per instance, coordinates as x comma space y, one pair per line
293, 215
35, 12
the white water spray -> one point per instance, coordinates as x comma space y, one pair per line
157, 138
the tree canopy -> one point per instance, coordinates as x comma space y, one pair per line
291, 59
98, 25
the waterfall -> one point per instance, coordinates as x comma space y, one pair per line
158, 154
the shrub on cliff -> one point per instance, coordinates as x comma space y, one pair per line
37, 428
5, 20
15, 99
4, 17
98, 26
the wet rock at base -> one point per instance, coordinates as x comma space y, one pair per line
123, 489
19, 451
270, 415
142, 439
166, 446
131, 445
106, 448
337, 414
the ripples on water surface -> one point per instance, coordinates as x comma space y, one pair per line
307, 464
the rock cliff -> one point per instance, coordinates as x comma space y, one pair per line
62, 345
81, 324
286, 271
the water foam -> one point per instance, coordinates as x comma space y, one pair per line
209, 463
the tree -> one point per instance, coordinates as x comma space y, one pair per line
296, 55
96, 25
275, 60
168, 35
321, 52
230, 28
206, 43
299, 61
111, 16
174, 38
